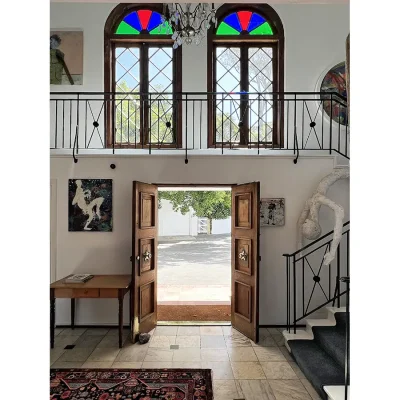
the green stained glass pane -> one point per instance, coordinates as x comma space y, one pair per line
162, 30
225, 29
264, 29
125, 29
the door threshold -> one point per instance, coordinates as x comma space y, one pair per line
195, 323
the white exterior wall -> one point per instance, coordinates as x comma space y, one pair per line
172, 223
220, 226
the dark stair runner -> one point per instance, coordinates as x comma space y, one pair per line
322, 360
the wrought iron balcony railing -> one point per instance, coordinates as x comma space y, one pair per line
259, 122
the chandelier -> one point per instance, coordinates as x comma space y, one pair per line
189, 22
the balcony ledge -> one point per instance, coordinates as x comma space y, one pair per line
181, 153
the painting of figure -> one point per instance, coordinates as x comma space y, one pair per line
66, 57
272, 212
90, 205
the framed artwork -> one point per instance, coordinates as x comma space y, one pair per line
66, 57
272, 212
90, 205
334, 81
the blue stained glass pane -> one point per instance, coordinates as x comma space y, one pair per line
133, 20
155, 20
233, 21
256, 21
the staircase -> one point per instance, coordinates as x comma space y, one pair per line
320, 352
322, 349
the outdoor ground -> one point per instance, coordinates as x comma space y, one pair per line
194, 270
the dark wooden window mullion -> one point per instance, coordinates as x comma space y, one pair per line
144, 89
244, 87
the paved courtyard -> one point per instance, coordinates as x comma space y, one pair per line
194, 270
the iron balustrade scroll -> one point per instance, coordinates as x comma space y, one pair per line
186, 121
311, 285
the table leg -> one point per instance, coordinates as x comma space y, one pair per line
72, 313
52, 317
120, 315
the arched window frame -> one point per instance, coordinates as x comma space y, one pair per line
110, 39
276, 41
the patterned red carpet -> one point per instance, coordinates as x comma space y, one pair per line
138, 384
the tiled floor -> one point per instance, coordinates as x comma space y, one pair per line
241, 369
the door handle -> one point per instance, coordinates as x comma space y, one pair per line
147, 256
243, 255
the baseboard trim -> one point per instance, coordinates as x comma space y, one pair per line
281, 326
92, 326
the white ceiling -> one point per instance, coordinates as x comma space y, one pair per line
207, 1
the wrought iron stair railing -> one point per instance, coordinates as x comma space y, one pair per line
333, 282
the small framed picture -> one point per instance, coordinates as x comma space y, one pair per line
272, 212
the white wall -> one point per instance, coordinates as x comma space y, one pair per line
314, 41
109, 252
172, 223
220, 226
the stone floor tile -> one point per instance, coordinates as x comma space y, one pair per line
212, 342
242, 354
104, 354
289, 390
256, 389
278, 370
187, 354
188, 331
247, 370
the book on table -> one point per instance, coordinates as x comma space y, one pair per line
78, 278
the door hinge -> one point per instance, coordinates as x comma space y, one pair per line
259, 258
130, 258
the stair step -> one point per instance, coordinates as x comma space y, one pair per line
332, 339
318, 367
336, 392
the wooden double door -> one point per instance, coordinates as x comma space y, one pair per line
244, 261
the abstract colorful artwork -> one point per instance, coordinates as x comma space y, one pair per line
139, 384
66, 57
143, 21
272, 212
244, 22
335, 82
90, 205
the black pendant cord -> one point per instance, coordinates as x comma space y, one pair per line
75, 145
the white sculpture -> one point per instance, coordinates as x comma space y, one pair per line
308, 225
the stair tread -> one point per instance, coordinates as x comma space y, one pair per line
318, 367
332, 339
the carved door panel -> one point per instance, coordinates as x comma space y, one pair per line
245, 258
144, 259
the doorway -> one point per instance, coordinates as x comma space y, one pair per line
245, 232
194, 255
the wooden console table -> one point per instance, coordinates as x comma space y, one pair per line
99, 287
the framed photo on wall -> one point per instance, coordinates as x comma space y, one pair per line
272, 212
90, 205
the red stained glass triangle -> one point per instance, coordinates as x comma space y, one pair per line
244, 18
144, 17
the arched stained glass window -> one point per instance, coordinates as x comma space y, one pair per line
143, 22
144, 72
244, 22
245, 70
